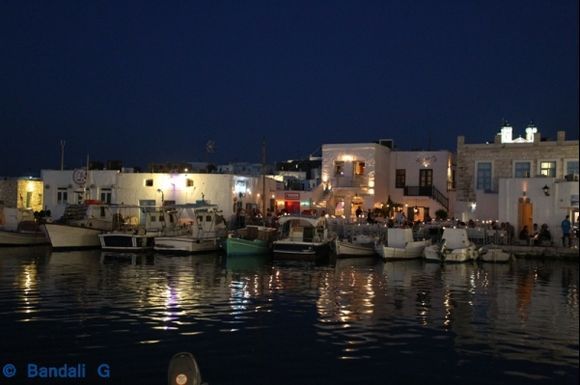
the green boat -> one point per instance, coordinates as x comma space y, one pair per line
251, 240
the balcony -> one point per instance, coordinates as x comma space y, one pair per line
356, 181
427, 191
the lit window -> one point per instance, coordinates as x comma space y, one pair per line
522, 170
548, 168
484, 176
359, 168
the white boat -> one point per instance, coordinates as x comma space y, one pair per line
18, 228
132, 236
359, 245
401, 245
455, 246
205, 232
490, 253
303, 238
80, 226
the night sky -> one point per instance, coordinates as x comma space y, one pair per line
154, 81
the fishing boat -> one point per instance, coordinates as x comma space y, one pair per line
302, 238
251, 240
18, 228
137, 227
455, 246
400, 244
205, 231
80, 226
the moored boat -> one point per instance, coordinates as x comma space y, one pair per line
251, 240
492, 253
204, 232
357, 246
18, 228
302, 238
455, 246
400, 244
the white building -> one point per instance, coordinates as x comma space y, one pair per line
229, 192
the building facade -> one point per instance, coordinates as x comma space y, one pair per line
22, 193
497, 181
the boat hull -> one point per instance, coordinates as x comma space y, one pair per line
186, 244
289, 250
411, 251
71, 237
126, 242
14, 238
246, 247
494, 255
350, 249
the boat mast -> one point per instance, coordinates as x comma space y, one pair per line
264, 180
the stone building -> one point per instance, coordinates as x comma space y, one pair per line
492, 177
22, 193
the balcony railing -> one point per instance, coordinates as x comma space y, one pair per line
351, 181
428, 191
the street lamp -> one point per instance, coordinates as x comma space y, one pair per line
162, 196
546, 190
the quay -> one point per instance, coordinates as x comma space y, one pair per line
552, 252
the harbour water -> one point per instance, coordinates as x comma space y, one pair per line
254, 321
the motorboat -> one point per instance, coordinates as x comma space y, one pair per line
205, 231
455, 246
302, 238
400, 244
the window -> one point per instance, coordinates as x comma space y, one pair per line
338, 168
484, 176
189, 182
62, 196
400, 178
106, 195
359, 168
149, 182
548, 168
522, 169
572, 167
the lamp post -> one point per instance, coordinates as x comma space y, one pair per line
162, 196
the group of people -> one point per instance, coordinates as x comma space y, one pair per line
542, 235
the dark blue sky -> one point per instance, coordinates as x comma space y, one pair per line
149, 81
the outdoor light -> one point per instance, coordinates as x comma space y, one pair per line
546, 190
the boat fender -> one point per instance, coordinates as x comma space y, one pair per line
183, 370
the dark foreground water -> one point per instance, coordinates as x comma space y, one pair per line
251, 321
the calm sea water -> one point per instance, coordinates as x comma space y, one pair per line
253, 321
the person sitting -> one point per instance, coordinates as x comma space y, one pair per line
524, 235
545, 236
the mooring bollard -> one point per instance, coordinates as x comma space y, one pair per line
183, 370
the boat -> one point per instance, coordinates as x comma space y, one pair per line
250, 240
358, 245
80, 226
19, 228
302, 238
132, 236
400, 244
455, 246
491, 253
205, 231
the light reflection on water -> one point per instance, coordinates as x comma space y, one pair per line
347, 322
